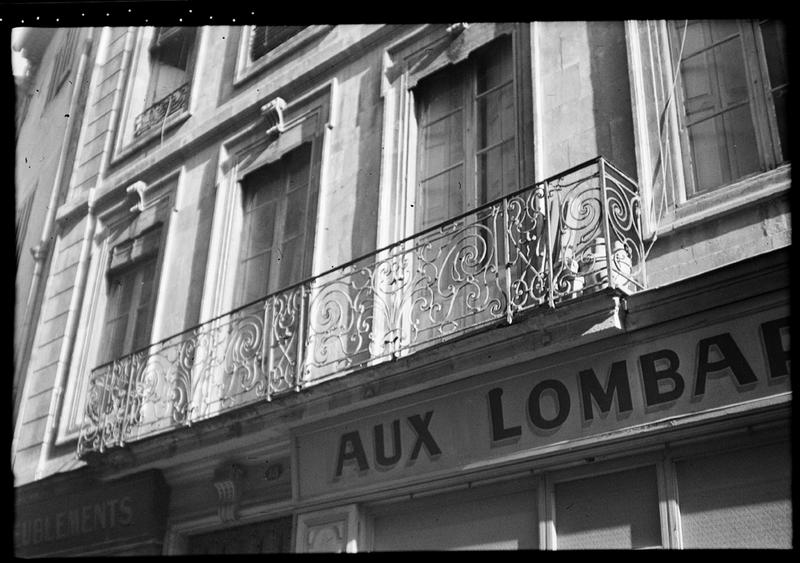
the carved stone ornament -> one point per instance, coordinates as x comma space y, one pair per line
228, 482
273, 116
137, 188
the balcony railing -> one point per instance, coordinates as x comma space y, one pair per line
154, 116
540, 247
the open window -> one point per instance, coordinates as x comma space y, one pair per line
710, 115
159, 84
732, 112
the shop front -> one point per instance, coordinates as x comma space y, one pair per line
75, 514
672, 435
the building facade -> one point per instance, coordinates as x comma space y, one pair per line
394, 287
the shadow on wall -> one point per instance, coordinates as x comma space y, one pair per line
613, 113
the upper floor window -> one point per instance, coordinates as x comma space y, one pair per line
263, 45
467, 124
733, 114
131, 295
159, 83
265, 38
459, 123
63, 62
277, 229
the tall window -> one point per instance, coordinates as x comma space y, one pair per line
131, 295
278, 228
169, 57
264, 38
467, 145
734, 88
159, 85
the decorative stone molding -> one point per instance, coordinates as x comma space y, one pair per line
273, 116
139, 189
228, 482
330, 531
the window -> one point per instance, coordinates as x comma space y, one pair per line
265, 215
277, 233
262, 45
63, 62
272, 536
467, 135
159, 82
733, 91
120, 309
264, 38
131, 295
458, 128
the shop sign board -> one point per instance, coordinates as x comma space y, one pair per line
684, 372
91, 517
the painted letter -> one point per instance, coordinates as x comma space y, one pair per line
731, 358
355, 451
617, 384
499, 430
424, 437
534, 404
777, 356
651, 376
380, 451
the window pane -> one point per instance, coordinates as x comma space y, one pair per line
259, 229
743, 151
440, 198
494, 66
495, 117
774, 36
254, 277
717, 103
618, 510
737, 500
442, 145
733, 79
141, 330
497, 171
289, 259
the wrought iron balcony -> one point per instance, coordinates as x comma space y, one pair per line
571, 235
154, 116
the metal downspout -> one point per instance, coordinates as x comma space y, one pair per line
76, 301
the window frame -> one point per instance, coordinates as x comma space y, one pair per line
116, 224
762, 109
138, 82
246, 151
246, 68
661, 166
278, 221
421, 53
